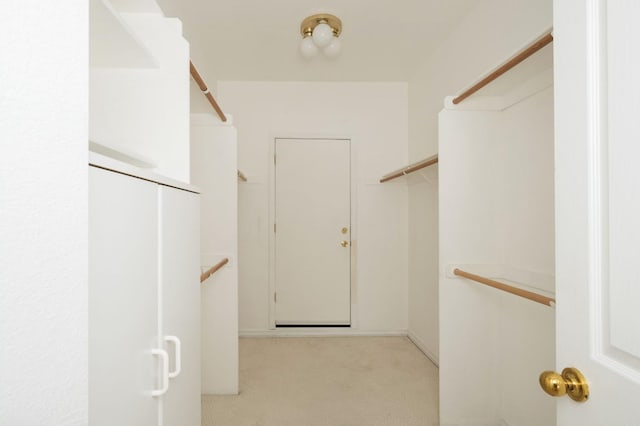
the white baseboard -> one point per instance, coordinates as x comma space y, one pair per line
216, 392
474, 422
420, 344
319, 332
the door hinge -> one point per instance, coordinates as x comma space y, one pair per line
274, 228
275, 297
274, 159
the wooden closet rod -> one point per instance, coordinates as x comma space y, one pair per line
205, 91
410, 168
504, 287
215, 268
519, 57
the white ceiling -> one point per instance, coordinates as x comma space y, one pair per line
382, 40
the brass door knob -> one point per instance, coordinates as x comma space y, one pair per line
571, 382
344, 243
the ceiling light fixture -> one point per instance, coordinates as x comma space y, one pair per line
320, 31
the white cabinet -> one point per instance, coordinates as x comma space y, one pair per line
180, 278
123, 294
143, 286
144, 254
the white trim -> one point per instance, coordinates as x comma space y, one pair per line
321, 332
473, 422
423, 348
271, 234
597, 288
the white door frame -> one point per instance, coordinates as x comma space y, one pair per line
272, 214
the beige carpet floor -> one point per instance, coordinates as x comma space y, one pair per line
318, 381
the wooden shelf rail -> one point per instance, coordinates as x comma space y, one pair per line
215, 268
505, 287
515, 60
205, 91
241, 176
410, 168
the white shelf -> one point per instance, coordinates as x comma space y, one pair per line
128, 157
538, 282
411, 168
526, 79
112, 42
118, 166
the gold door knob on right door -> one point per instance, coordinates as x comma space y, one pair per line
571, 382
344, 243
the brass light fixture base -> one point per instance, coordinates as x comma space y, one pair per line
310, 22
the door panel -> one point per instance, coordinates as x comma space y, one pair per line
180, 316
312, 251
621, 214
598, 206
123, 278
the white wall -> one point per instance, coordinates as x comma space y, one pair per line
484, 38
374, 117
43, 212
213, 170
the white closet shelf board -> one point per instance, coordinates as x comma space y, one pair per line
428, 175
414, 169
108, 163
531, 76
537, 282
113, 44
132, 158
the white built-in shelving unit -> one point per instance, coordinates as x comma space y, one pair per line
496, 186
144, 221
139, 85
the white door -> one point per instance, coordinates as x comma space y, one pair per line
123, 300
180, 307
597, 94
312, 232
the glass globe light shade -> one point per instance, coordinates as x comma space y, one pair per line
322, 35
307, 48
334, 47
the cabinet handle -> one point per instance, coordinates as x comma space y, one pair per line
178, 355
164, 357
